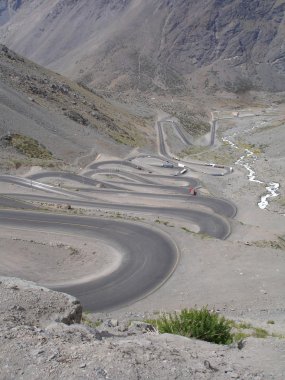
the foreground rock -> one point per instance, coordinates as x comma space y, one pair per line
40, 338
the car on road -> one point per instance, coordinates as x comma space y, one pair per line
167, 165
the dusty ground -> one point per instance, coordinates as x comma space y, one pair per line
54, 259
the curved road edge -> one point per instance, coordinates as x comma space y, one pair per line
149, 256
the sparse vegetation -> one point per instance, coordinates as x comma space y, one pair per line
208, 325
87, 321
260, 333
165, 222
240, 86
73, 251
200, 235
16, 163
280, 244
242, 325
278, 336
252, 147
119, 215
203, 235
186, 229
269, 127
281, 201
193, 323
77, 117
29, 147
194, 121
192, 150
193, 125
244, 330
128, 137
222, 155
240, 336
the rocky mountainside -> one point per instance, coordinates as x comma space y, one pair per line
67, 119
153, 44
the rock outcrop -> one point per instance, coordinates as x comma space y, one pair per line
25, 303
41, 338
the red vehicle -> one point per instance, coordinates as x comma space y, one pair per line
192, 191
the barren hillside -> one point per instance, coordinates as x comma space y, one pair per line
67, 120
153, 44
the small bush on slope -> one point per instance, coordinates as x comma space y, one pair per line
200, 324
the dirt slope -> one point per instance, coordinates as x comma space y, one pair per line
66, 118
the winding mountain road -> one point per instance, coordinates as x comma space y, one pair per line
148, 256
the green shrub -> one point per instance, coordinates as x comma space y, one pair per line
260, 333
29, 147
200, 324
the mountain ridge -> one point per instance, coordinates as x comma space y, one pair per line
157, 45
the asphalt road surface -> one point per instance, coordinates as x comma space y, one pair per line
148, 256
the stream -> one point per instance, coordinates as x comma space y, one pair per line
272, 188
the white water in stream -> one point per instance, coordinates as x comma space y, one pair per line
272, 192
272, 188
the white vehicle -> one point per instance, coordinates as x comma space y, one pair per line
183, 171
167, 165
